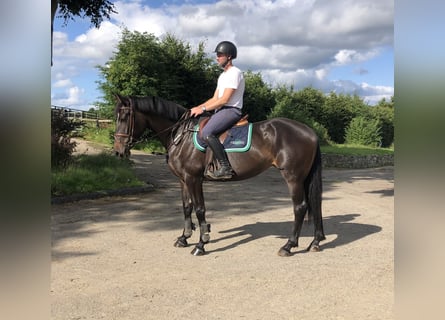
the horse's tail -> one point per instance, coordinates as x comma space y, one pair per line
314, 188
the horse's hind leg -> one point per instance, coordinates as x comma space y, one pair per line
300, 207
195, 197
318, 236
189, 226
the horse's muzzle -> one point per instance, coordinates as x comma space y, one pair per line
123, 155
121, 150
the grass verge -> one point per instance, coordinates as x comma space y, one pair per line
92, 173
355, 150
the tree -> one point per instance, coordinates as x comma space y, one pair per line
96, 10
147, 66
258, 98
301, 106
384, 112
287, 102
310, 101
338, 111
363, 131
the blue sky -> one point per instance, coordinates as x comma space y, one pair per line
344, 46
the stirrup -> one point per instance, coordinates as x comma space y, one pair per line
221, 174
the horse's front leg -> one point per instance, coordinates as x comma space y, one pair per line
204, 232
189, 226
194, 185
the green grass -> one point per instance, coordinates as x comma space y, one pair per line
152, 146
93, 173
103, 136
344, 149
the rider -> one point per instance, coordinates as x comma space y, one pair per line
226, 103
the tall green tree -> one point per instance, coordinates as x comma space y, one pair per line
148, 66
95, 10
258, 98
301, 106
384, 112
338, 111
310, 101
287, 105
364, 131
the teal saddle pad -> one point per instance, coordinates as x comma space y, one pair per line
238, 139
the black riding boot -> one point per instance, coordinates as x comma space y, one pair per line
225, 170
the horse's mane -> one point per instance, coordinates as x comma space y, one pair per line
158, 106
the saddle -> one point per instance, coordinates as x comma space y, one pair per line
203, 121
211, 164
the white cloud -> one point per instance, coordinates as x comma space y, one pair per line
192, 22
95, 46
298, 42
321, 73
72, 97
373, 94
62, 83
352, 56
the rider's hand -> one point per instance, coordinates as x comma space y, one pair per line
196, 111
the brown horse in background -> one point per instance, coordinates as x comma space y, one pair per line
290, 146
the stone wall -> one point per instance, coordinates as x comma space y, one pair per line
356, 162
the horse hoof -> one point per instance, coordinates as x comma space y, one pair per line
314, 249
284, 253
181, 243
198, 252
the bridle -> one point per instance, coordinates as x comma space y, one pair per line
128, 134
130, 128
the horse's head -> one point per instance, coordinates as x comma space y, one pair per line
124, 138
136, 114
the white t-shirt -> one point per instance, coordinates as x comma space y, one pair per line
232, 78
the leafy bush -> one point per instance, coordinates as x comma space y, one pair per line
322, 133
363, 131
62, 130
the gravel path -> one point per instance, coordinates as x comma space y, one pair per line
113, 258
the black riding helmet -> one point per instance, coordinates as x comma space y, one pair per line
226, 47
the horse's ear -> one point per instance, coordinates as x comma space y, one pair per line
118, 97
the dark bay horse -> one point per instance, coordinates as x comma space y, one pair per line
288, 145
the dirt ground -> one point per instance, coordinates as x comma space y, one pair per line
113, 258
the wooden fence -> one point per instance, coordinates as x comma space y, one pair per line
82, 115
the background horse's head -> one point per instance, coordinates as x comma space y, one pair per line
127, 129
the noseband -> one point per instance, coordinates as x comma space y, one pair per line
130, 128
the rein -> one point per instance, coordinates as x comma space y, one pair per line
184, 118
130, 129
176, 138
